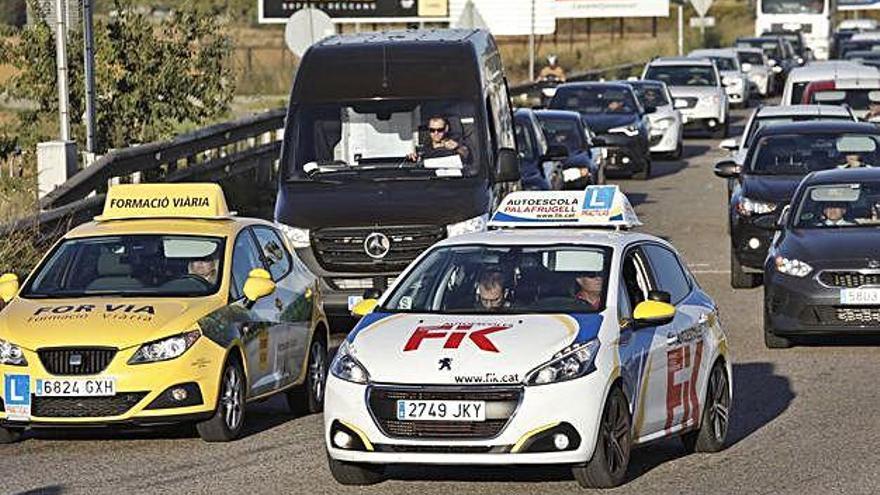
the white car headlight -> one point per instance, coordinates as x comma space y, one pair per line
299, 238
476, 224
793, 267
748, 207
346, 367
630, 130
11, 354
663, 124
165, 349
574, 361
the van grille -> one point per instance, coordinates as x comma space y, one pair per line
342, 249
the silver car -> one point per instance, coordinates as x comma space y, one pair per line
667, 129
754, 63
696, 87
734, 79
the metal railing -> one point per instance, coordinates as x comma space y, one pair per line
530, 92
244, 151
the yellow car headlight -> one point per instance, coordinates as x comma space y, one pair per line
165, 349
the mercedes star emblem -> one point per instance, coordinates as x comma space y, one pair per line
874, 264
377, 245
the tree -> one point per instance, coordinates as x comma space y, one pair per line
13, 12
152, 77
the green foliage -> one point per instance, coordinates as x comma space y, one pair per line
152, 77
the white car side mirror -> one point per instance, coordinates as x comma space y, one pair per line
729, 144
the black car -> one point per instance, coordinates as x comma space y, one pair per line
822, 275
540, 162
796, 38
620, 122
780, 156
583, 165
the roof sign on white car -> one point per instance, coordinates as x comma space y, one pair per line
596, 206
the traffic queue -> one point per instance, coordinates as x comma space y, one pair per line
492, 271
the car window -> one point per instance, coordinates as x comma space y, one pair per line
668, 273
564, 132
245, 258
274, 253
524, 142
635, 278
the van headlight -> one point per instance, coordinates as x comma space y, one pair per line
346, 367
574, 361
299, 238
11, 354
165, 349
793, 267
476, 224
630, 130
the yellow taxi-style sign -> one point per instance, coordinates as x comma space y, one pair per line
195, 200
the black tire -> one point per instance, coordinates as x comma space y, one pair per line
679, 151
355, 474
722, 130
607, 468
308, 398
227, 423
739, 279
9, 435
645, 173
715, 420
771, 340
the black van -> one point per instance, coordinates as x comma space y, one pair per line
363, 188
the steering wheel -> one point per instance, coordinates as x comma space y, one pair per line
190, 276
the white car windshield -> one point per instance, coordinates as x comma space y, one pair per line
502, 279
683, 75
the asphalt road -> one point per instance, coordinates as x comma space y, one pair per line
804, 419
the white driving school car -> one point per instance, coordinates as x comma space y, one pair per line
560, 337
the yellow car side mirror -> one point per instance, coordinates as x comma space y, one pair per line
258, 285
653, 313
364, 307
8, 286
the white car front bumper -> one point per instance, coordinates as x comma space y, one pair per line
539, 412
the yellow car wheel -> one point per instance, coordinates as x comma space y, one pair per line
9, 435
227, 422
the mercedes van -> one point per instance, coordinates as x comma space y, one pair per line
394, 141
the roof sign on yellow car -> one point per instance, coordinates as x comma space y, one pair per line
131, 201
596, 206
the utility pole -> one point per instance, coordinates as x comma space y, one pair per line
681, 30
532, 46
61, 56
89, 65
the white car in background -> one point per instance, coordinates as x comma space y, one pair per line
667, 130
733, 77
799, 78
697, 90
755, 64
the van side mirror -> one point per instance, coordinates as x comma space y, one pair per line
258, 285
9, 286
653, 314
727, 169
507, 165
555, 152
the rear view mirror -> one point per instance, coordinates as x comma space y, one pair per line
507, 165
8, 286
727, 169
874, 96
829, 96
653, 313
729, 144
258, 285
556, 152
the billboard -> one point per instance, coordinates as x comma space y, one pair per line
278, 11
858, 4
504, 17
578, 9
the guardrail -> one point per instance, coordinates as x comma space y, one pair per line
244, 151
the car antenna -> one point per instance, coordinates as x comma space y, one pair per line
385, 83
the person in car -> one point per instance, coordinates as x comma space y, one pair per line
205, 268
589, 287
834, 215
853, 160
491, 291
615, 105
441, 144
873, 112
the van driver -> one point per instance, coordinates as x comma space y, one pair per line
441, 144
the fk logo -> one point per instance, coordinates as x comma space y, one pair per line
454, 335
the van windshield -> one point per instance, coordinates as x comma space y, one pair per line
385, 140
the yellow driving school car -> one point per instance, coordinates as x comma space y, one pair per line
164, 309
